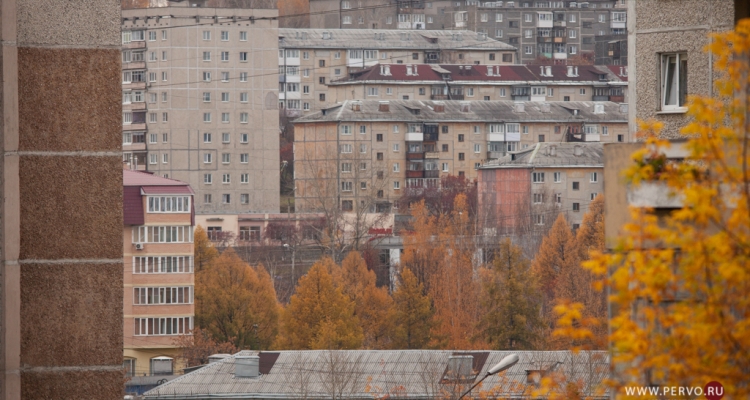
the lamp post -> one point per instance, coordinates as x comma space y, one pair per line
507, 362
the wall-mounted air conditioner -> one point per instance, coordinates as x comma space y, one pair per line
139, 246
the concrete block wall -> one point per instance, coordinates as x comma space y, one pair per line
61, 219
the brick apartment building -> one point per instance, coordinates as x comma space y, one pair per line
159, 218
552, 29
200, 100
309, 59
368, 152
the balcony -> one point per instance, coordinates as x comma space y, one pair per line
415, 156
559, 23
432, 173
135, 45
430, 137
544, 39
415, 174
559, 40
134, 65
600, 98
134, 85
521, 97
431, 154
414, 136
139, 106
439, 97
655, 195
617, 99
135, 127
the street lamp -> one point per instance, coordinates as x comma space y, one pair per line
507, 362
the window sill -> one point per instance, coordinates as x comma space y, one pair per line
682, 110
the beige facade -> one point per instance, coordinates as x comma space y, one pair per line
158, 291
370, 152
200, 102
309, 59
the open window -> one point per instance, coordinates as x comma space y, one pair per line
162, 366
674, 81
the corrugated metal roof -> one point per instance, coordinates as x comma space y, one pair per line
480, 111
137, 178
463, 74
543, 155
360, 374
375, 39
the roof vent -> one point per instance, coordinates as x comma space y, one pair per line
575, 112
519, 107
439, 106
624, 108
246, 366
465, 106
578, 151
545, 107
356, 106
327, 35
572, 71
548, 69
217, 357
552, 150
384, 106
459, 368
598, 108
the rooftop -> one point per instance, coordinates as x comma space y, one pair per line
417, 374
515, 74
374, 39
137, 178
552, 155
499, 111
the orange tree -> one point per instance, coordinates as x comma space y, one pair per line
680, 282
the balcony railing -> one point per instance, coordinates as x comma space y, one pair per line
617, 99
431, 154
493, 155
600, 98
438, 97
415, 174
135, 45
134, 65
433, 173
415, 156
430, 137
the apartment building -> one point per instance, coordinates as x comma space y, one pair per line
158, 276
483, 82
309, 59
369, 152
200, 101
552, 29
531, 187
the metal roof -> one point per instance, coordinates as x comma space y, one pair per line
376, 39
359, 374
498, 111
138, 178
549, 155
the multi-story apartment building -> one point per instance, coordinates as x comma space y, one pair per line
309, 59
530, 187
553, 29
483, 82
363, 150
158, 276
200, 100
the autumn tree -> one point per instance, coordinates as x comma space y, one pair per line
199, 345
576, 284
440, 199
319, 314
679, 280
557, 250
414, 315
236, 303
203, 250
510, 301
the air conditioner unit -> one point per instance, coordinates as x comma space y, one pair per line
139, 246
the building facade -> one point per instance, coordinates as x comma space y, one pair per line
483, 82
309, 59
200, 101
558, 30
158, 304
531, 187
368, 153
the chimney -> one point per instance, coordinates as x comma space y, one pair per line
384, 106
246, 366
545, 107
465, 106
578, 151
552, 151
439, 106
519, 107
217, 357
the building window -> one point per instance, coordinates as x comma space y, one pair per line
379, 156
161, 327
207, 199
576, 186
206, 76
461, 157
208, 179
445, 148
396, 167
461, 137
165, 158
322, 97
162, 234
244, 198
345, 148
572, 33
207, 137
379, 137
151, 36
674, 69
225, 76
395, 147
244, 178
206, 35
244, 138
206, 56
576, 207
537, 177
163, 295
224, 56
346, 186
225, 158
207, 158
243, 36
539, 219
363, 148
347, 205
225, 118
153, 158
592, 196
557, 177
477, 148
396, 185
538, 198
244, 158
594, 177
226, 198
164, 137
